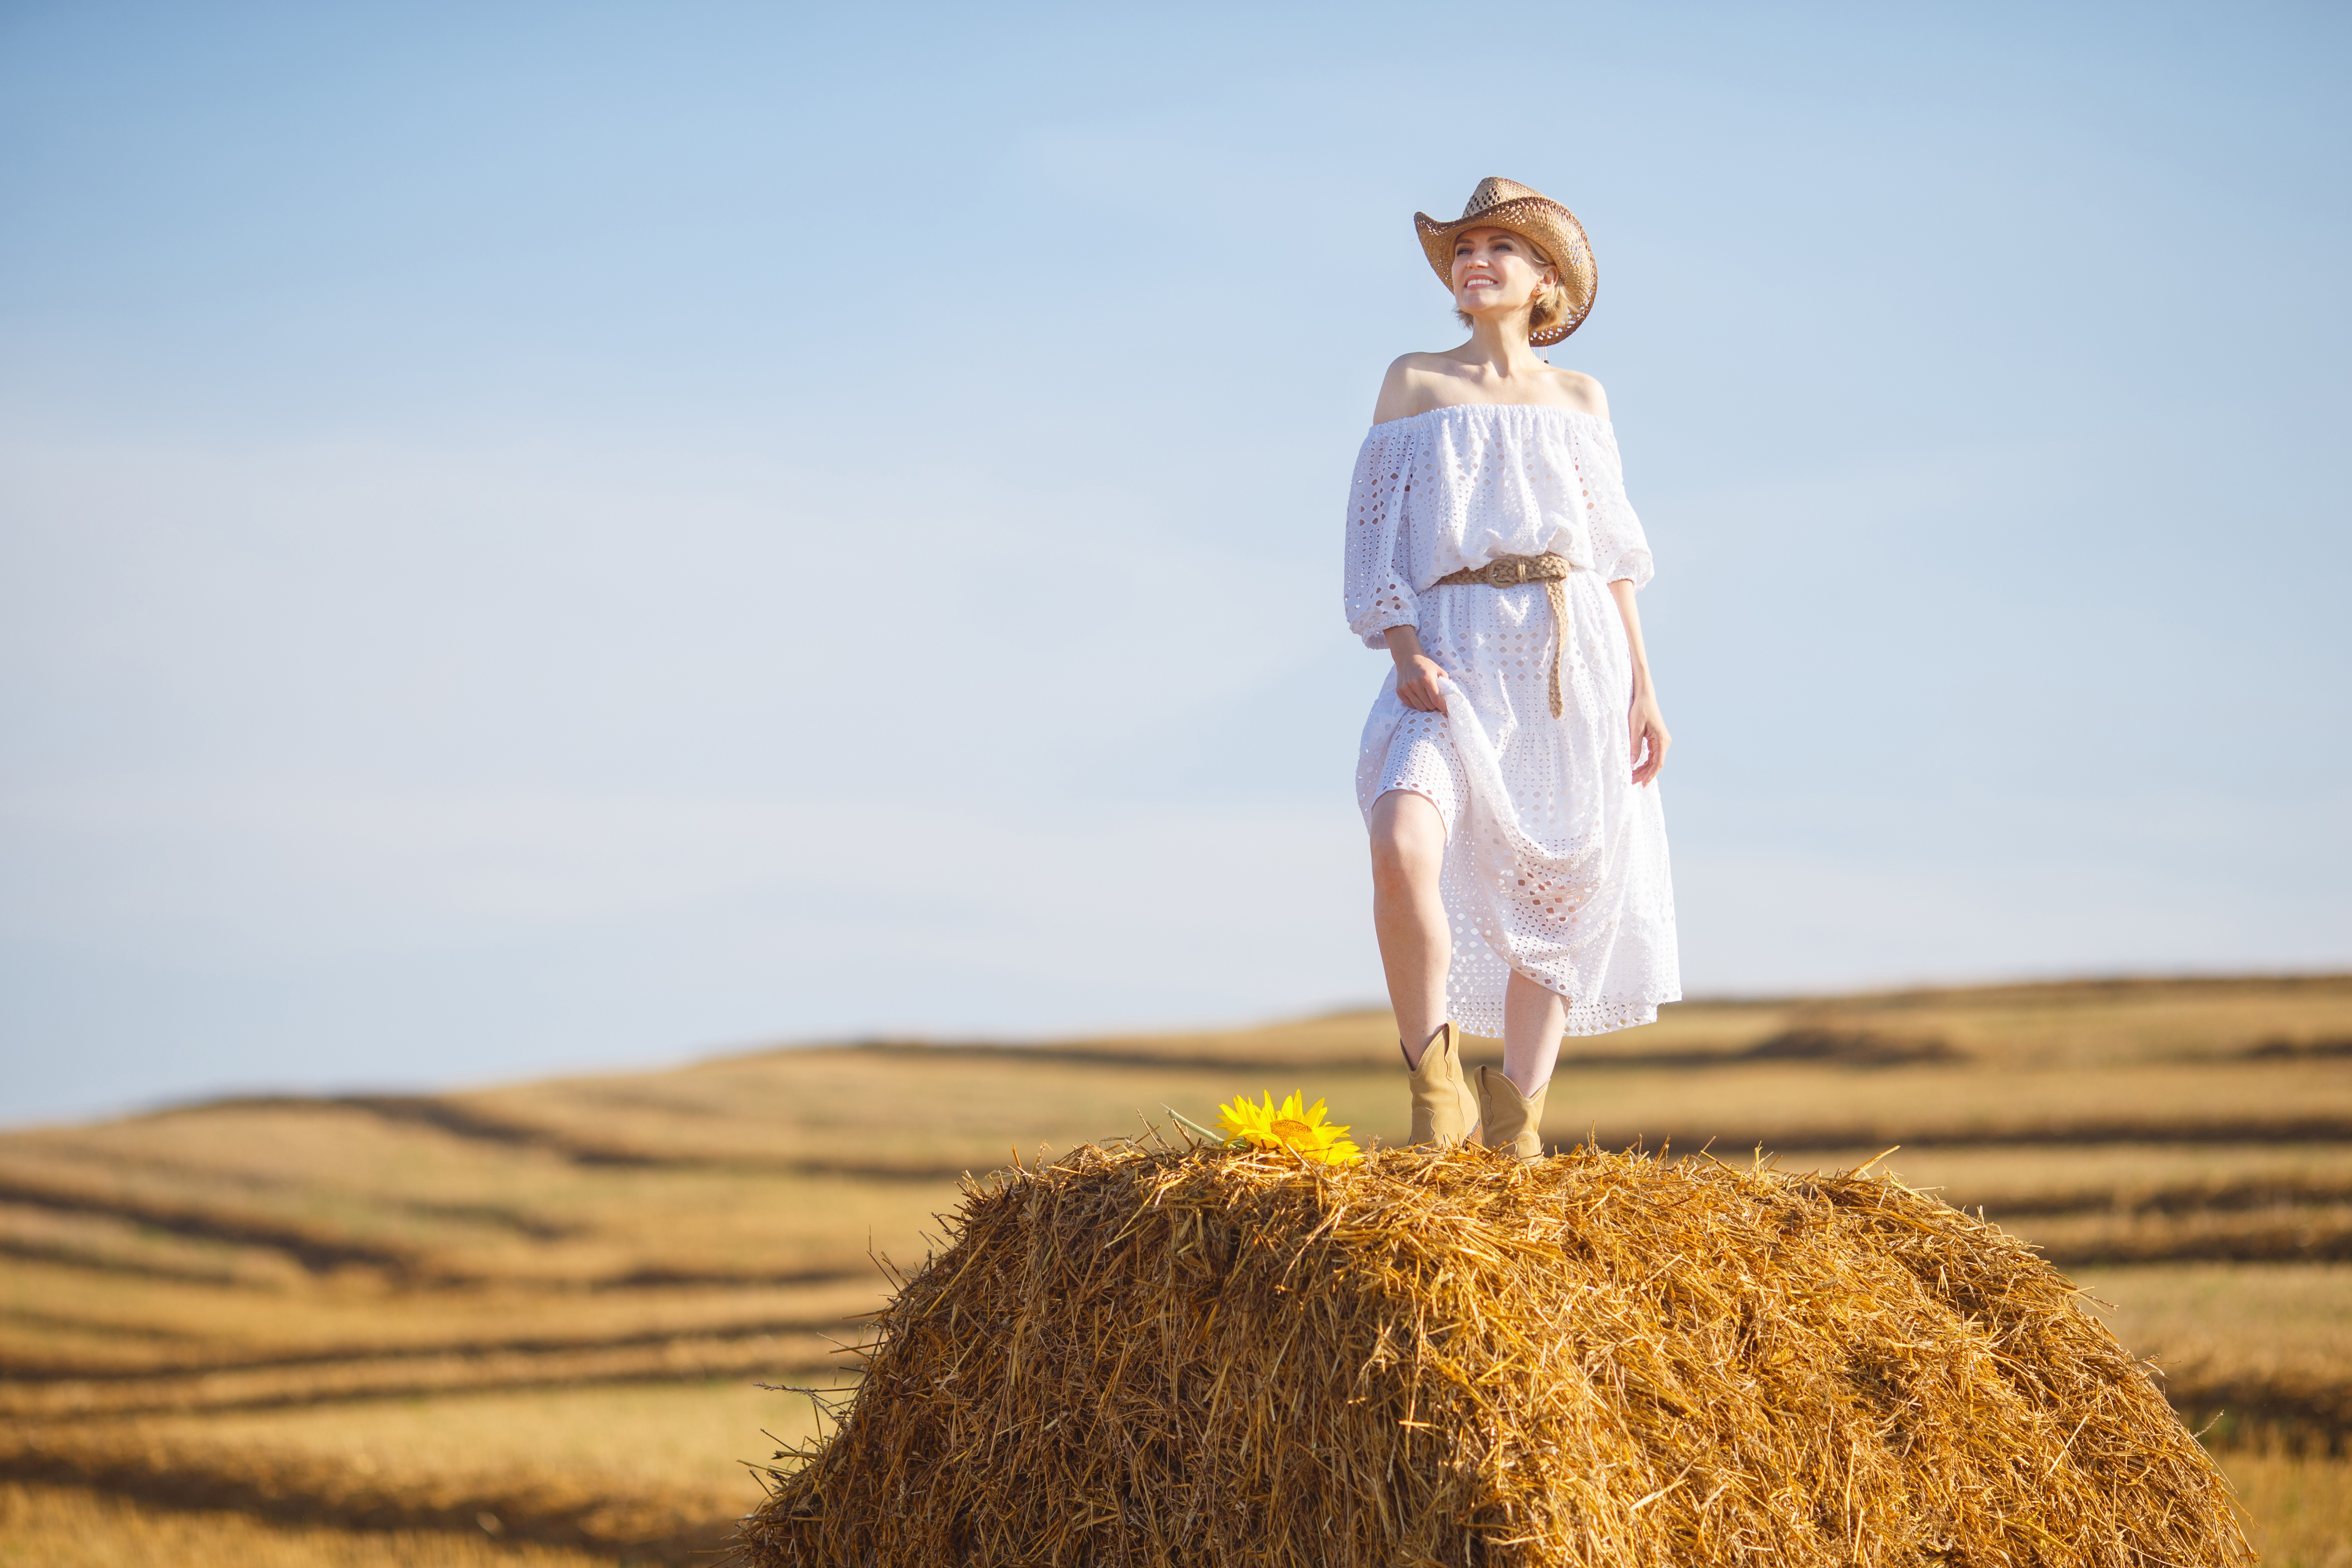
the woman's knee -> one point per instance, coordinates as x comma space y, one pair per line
1408, 840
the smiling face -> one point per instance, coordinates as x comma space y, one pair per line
1497, 272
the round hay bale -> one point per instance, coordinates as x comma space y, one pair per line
1160, 1358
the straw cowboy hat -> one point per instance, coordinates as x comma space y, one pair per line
1504, 204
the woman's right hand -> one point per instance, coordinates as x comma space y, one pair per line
1417, 673
1417, 678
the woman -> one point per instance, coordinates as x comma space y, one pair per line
1518, 851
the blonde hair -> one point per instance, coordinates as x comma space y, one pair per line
1550, 304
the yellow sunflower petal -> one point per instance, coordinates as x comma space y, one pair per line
1290, 1124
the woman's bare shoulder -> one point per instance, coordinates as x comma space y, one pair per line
1580, 392
1410, 387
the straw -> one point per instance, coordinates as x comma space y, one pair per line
1153, 1357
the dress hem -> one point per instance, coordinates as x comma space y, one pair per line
1599, 1018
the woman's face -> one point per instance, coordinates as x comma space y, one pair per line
1494, 270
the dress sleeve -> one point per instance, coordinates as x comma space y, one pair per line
1379, 578
1620, 550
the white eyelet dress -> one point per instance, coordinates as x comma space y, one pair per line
1555, 863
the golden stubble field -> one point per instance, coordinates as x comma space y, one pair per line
527, 1324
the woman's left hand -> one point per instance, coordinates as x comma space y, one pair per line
1645, 725
1648, 727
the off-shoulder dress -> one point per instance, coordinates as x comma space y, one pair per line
1554, 862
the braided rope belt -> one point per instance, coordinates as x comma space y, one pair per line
1509, 572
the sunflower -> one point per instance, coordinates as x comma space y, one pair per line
1291, 1126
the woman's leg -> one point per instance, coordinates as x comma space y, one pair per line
1408, 914
1533, 1019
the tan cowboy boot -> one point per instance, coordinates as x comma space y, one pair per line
1442, 1105
1513, 1121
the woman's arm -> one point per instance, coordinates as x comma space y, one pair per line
1647, 726
1417, 673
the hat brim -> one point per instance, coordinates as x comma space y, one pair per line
1550, 226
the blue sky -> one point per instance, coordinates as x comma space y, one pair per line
541, 536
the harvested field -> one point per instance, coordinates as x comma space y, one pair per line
74, 1527
2261, 1352
681, 1235
2301, 1507
2208, 1059
328, 1188
68, 1323
544, 1465
2017, 1184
